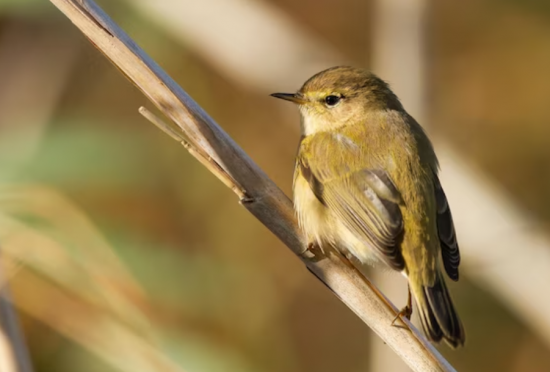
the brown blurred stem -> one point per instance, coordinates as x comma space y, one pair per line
259, 195
14, 356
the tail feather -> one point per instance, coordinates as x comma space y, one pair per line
438, 315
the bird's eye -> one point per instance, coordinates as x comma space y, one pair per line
332, 100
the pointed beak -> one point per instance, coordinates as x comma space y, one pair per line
292, 97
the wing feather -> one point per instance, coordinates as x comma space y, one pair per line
363, 210
447, 236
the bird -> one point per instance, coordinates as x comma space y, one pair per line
366, 182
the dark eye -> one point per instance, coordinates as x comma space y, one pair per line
332, 100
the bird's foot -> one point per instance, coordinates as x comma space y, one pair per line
313, 252
404, 312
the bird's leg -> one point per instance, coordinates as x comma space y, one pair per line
313, 252
407, 310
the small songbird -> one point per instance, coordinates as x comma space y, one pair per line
366, 183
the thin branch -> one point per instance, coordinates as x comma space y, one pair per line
262, 197
205, 160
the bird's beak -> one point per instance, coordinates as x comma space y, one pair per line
292, 97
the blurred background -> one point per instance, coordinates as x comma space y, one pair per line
124, 254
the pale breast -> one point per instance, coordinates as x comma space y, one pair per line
346, 241
312, 215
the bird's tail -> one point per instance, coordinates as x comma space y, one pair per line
437, 313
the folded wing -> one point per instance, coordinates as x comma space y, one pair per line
366, 202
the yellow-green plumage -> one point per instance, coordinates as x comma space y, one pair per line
366, 182
339, 154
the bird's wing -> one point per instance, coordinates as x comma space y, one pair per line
446, 231
366, 202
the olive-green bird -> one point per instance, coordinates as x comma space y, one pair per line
366, 182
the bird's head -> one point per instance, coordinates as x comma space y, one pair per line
340, 96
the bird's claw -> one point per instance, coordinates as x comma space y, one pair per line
311, 252
404, 312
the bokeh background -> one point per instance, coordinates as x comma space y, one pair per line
124, 254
